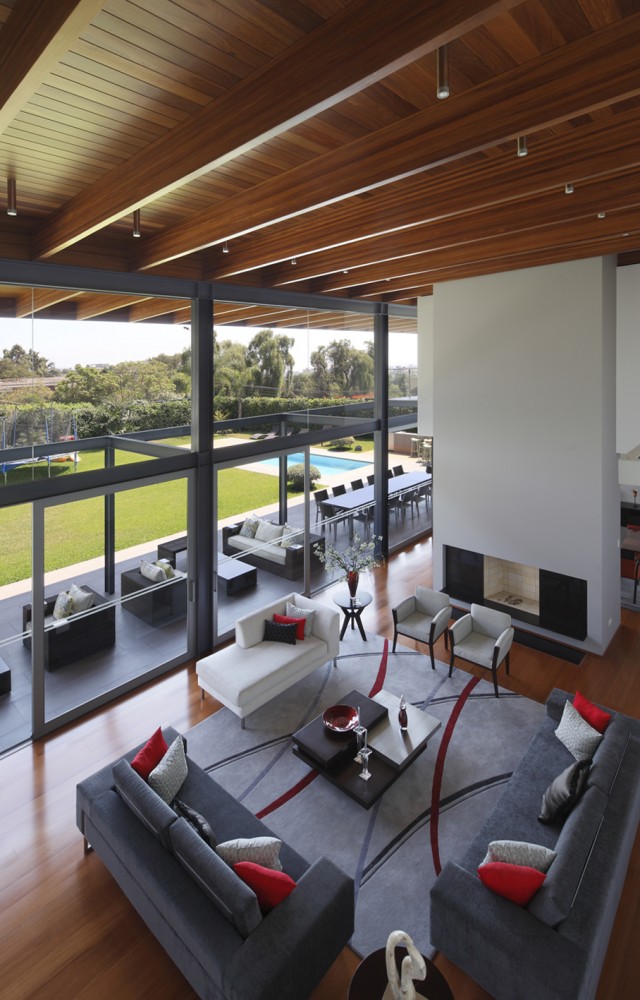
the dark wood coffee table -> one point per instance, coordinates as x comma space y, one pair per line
393, 751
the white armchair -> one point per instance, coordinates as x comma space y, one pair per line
483, 637
423, 617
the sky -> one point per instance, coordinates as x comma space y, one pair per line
90, 342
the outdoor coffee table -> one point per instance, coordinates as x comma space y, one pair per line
237, 575
393, 751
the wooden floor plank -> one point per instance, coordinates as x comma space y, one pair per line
68, 931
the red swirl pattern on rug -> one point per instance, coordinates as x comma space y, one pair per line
439, 770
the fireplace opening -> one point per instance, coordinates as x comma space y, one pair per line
515, 585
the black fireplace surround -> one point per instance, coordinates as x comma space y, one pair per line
563, 599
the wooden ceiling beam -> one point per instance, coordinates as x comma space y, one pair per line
589, 151
550, 210
580, 233
36, 35
399, 289
93, 306
363, 43
593, 72
35, 300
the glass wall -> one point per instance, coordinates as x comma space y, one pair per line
115, 599
96, 390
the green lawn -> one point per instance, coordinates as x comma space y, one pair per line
74, 530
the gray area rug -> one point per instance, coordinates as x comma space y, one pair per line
395, 850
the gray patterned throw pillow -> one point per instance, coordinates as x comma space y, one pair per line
293, 611
519, 852
260, 850
169, 776
580, 739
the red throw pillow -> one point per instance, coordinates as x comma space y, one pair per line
299, 622
596, 717
518, 883
270, 886
150, 755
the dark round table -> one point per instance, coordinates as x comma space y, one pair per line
352, 608
370, 978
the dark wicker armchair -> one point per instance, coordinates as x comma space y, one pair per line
74, 638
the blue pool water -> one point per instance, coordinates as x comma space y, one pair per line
326, 463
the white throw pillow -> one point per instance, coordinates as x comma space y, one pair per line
290, 536
63, 606
259, 850
268, 532
169, 776
293, 611
167, 567
580, 739
151, 572
80, 598
519, 852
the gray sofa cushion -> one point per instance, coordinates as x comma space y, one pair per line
156, 815
554, 899
607, 757
231, 896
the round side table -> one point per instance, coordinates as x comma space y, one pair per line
370, 978
352, 609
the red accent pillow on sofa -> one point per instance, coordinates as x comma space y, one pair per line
150, 755
270, 886
299, 622
518, 883
596, 717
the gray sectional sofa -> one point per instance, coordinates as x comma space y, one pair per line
222, 948
286, 561
553, 949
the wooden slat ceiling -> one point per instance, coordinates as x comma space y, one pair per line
309, 131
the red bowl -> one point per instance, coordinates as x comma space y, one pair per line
340, 719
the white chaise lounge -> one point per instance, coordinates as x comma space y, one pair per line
251, 672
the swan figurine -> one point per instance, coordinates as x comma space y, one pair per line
413, 967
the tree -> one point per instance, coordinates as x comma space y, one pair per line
270, 357
231, 373
342, 369
85, 384
16, 362
137, 381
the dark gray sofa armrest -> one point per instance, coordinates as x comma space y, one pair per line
555, 703
500, 944
298, 941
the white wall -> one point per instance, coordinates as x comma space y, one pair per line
628, 365
425, 366
524, 425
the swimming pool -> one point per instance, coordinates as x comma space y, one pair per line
327, 464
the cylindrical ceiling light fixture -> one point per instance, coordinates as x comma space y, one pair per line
568, 188
442, 73
522, 145
225, 247
12, 208
136, 224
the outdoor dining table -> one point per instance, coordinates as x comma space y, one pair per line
348, 503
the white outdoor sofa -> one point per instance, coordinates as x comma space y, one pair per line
252, 671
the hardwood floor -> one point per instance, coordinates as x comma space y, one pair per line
68, 931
